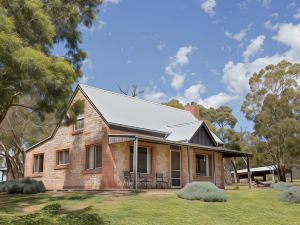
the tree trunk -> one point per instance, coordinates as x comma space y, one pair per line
237, 179
281, 173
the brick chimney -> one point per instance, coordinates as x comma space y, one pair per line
194, 109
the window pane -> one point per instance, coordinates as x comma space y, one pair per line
41, 163
201, 165
36, 164
175, 160
79, 124
90, 157
98, 156
67, 156
142, 160
131, 159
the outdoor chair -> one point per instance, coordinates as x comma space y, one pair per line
144, 180
161, 181
128, 179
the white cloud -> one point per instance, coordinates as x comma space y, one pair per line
289, 35
297, 14
174, 68
217, 100
239, 36
236, 75
208, 6
154, 95
274, 15
129, 61
177, 81
273, 27
265, 3
161, 46
292, 5
193, 92
114, 2
254, 47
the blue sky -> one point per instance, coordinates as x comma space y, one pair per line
202, 51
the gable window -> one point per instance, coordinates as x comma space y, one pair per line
94, 157
38, 163
79, 123
144, 160
202, 165
62, 157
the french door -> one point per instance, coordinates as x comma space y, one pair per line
175, 168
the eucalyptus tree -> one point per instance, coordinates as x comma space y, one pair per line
273, 104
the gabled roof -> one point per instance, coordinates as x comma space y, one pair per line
126, 111
183, 132
131, 112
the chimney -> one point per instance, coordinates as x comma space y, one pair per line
194, 109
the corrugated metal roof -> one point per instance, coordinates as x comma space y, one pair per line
258, 169
122, 110
183, 132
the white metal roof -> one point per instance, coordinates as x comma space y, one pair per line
119, 109
258, 169
183, 132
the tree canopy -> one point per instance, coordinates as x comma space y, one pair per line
273, 104
29, 30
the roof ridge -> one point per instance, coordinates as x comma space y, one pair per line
185, 124
134, 98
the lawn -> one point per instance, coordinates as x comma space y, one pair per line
255, 206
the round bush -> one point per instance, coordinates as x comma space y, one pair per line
291, 195
204, 191
281, 186
22, 186
52, 209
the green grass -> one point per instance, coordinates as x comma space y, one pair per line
244, 206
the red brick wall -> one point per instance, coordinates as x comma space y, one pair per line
115, 157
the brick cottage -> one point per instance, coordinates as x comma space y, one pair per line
121, 142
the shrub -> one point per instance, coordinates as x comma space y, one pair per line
82, 219
52, 209
291, 195
205, 191
281, 186
22, 186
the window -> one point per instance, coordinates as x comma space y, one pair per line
94, 157
202, 165
144, 160
79, 123
62, 157
38, 163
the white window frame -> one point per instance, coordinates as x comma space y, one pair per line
94, 157
149, 161
80, 117
64, 152
38, 169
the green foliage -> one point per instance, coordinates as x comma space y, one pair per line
22, 186
174, 103
52, 209
273, 104
82, 219
29, 30
76, 109
204, 191
291, 195
281, 186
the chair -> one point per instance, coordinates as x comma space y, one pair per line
161, 181
128, 179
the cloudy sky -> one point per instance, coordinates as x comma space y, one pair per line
202, 51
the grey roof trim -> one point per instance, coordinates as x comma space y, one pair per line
159, 140
138, 128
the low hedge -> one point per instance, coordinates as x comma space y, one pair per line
204, 191
291, 195
22, 186
281, 186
